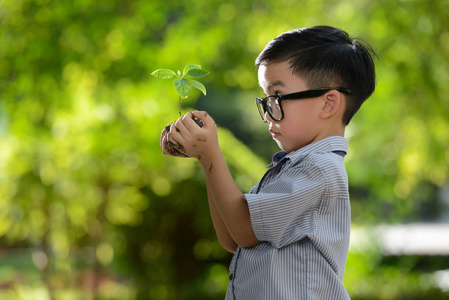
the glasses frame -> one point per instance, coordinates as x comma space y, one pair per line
262, 102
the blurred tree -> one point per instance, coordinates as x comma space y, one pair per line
82, 179
81, 163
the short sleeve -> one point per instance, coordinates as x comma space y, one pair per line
285, 209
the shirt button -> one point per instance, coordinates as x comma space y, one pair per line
231, 276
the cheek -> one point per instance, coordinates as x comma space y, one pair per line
295, 113
299, 121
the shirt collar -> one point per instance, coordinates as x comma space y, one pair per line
328, 144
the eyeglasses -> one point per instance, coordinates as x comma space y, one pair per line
272, 104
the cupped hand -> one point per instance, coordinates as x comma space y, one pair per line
168, 148
192, 140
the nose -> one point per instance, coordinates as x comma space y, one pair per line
268, 117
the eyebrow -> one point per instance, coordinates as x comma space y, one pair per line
276, 83
273, 84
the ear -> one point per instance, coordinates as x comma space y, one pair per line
333, 101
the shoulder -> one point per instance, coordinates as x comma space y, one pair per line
325, 166
321, 153
317, 160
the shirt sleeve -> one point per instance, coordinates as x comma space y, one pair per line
285, 209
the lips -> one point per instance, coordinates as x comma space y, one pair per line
274, 133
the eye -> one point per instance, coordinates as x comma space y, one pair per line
278, 94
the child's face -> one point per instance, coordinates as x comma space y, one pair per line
301, 123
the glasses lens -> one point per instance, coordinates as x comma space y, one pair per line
274, 109
270, 105
260, 107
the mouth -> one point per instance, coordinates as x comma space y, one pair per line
274, 134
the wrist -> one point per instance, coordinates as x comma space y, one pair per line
209, 158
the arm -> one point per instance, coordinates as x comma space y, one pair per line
223, 235
202, 144
225, 239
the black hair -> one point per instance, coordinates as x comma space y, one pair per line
326, 56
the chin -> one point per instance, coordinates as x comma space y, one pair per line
289, 148
284, 148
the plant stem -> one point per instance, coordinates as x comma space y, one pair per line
179, 101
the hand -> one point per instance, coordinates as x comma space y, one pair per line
168, 148
192, 140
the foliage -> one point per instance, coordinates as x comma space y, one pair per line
183, 85
97, 209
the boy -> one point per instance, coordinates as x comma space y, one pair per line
290, 233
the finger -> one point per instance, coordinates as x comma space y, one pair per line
171, 150
174, 141
168, 147
164, 144
180, 126
174, 131
163, 138
164, 134
189, 122
192, 123
173, 127
204, 117
175, 138
179, 148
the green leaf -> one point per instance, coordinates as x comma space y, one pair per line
182, 86
163, 73
189, 68
198, 85
197, 73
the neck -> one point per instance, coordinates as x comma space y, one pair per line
333, 130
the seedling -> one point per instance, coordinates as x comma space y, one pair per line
182, 84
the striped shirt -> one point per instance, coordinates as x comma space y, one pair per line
300, 212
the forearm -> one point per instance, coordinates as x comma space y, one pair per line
225, 239
228, 199
201, 143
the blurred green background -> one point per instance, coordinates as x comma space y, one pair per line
91, 209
